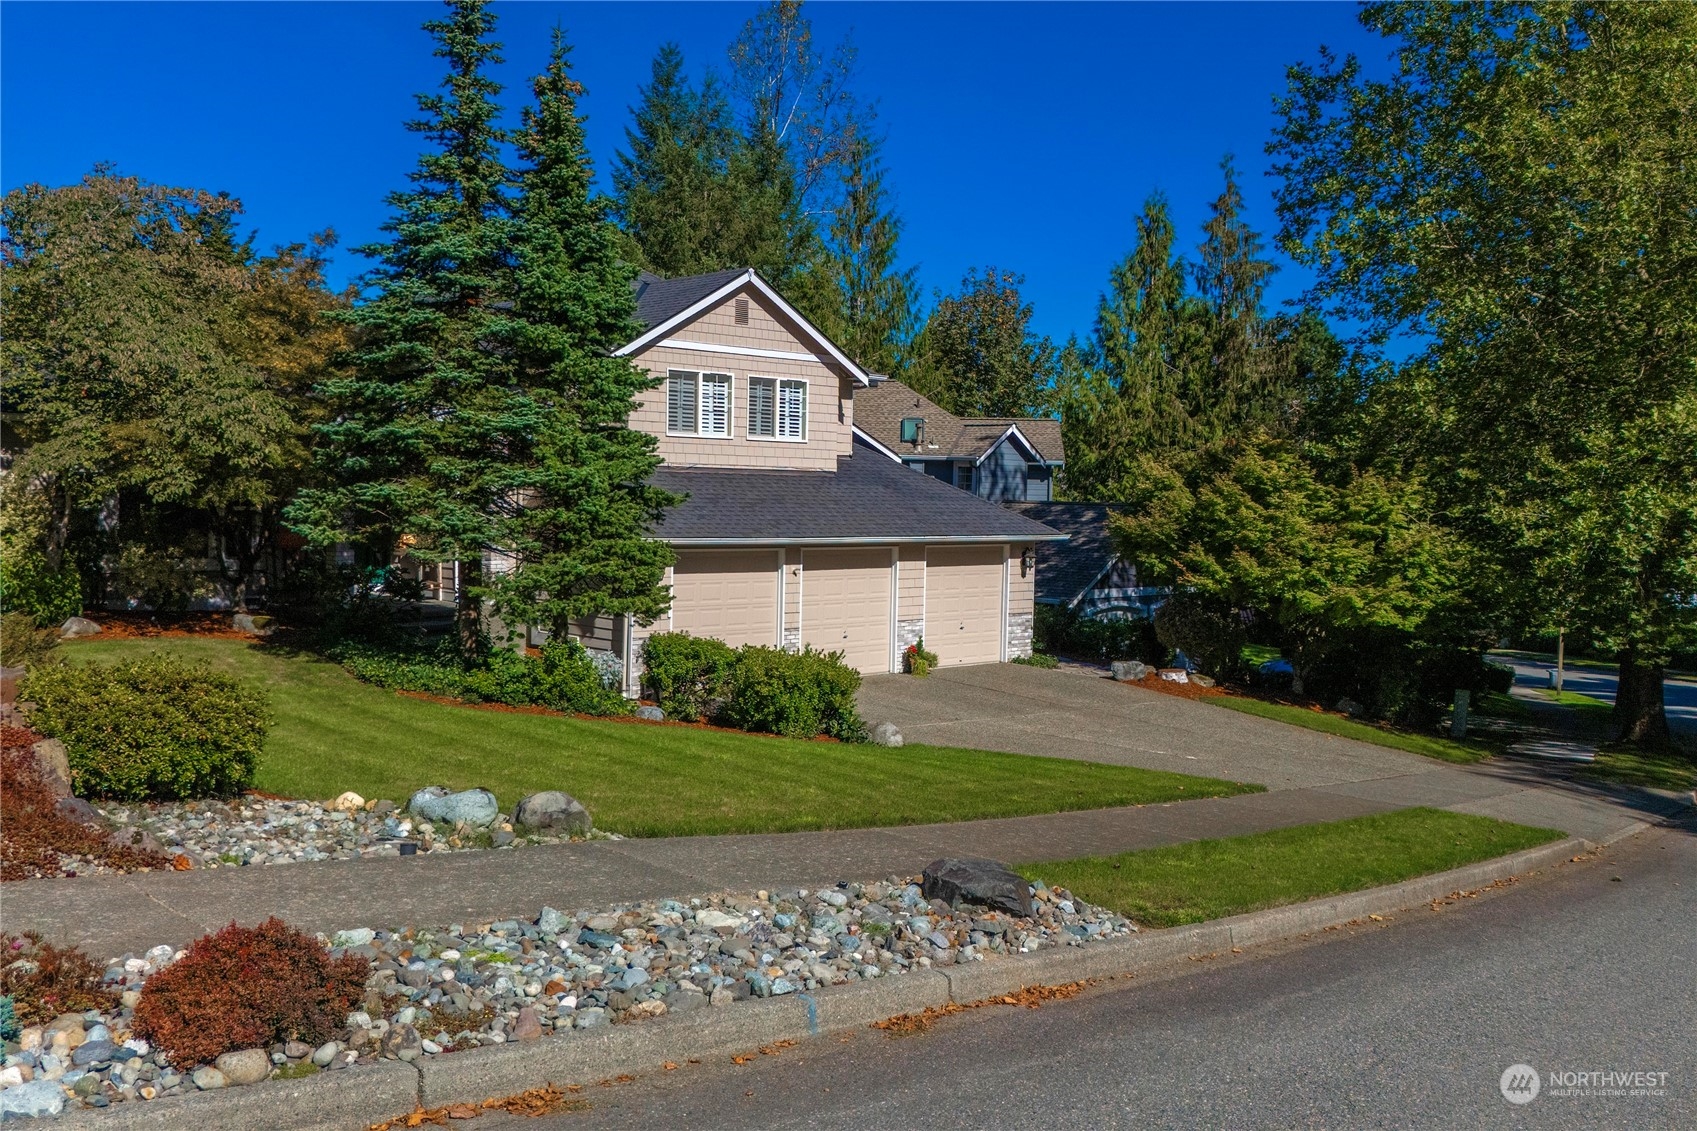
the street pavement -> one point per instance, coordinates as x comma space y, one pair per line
1678, 695
1407, 1024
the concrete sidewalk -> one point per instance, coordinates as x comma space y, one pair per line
108, 915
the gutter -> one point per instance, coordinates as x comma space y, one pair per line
774, 542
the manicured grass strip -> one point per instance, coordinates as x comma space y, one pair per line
1496, 705
1629, 767
334, 733
1585, 704
1210, 879
1431, 745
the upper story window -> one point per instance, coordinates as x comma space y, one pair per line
698, 404
963, 476
777, 408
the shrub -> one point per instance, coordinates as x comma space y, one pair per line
44, 980
563, 676
9, 1027
686, 674
1037, 660
1210, 635
149, 728
35, 836
247, 987
797, 694
28, 585
916, 660
1063, 632
23, 642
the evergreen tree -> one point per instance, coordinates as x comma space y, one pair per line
577, 541
421, 450
977, 355
868, 308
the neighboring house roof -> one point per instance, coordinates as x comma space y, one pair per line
664, 305
1066, 569
880, 410
867, 499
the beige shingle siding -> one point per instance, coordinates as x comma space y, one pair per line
830, 405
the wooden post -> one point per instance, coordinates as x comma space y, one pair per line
1561, 655
1458, 719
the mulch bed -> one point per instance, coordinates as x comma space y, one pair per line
144, 625
1180, 690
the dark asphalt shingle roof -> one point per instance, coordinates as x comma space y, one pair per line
880, 410
1066, 569
869, 496
658, 300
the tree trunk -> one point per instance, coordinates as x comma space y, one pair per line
468, 618
1640, 714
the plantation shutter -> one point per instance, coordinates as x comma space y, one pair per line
715, 404
792, 410
762, 407
680, 403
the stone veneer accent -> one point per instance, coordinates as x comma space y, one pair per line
908, 632
792, 639
1019, 634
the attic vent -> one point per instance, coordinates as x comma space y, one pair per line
742, 312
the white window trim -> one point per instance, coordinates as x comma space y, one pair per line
700, 415
806, 408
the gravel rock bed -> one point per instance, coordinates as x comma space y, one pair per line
257, 830
436, 990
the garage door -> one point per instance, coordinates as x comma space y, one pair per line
963, 604
845, 605
728, 594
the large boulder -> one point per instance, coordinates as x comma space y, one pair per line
77, 626
1129, 671
55, 765
983, 883
553, 810
886, 734
651, 714
476, 807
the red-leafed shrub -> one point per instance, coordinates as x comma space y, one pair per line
44, 980
35, 835
246, 987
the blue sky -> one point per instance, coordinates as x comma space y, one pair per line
1020, 135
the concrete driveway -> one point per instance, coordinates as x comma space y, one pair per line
1073, 712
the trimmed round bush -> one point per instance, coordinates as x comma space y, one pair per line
686, 674
796, 694
248, 987
153, 728
29, 585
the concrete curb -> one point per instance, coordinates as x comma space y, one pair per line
355, 1097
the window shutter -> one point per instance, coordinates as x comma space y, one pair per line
680, 403
715, 404
762, 412
792, 410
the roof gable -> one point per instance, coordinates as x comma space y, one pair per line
664, 305
879, 411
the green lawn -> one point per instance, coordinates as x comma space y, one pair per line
1431, 745
1584, 704
1496, 705
1209, 879
1257, 654
333, 733
1631, 767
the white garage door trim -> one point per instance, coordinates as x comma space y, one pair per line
778, 586
1002, 615
890, 660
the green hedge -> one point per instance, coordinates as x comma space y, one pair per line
798, 694
28, 585
153, 728
686, 674
1211, 635
1062, 632
563, 677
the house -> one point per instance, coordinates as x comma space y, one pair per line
794, 530
1085, 573
1003, 459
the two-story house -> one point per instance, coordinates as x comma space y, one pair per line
1003, 459
794, 531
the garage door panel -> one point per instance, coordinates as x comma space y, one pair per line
964, 613
731, 595
845, 605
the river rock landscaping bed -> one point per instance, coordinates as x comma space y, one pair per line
433, 991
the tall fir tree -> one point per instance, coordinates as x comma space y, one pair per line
578, 540
977, 354
868, 305
421, 450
